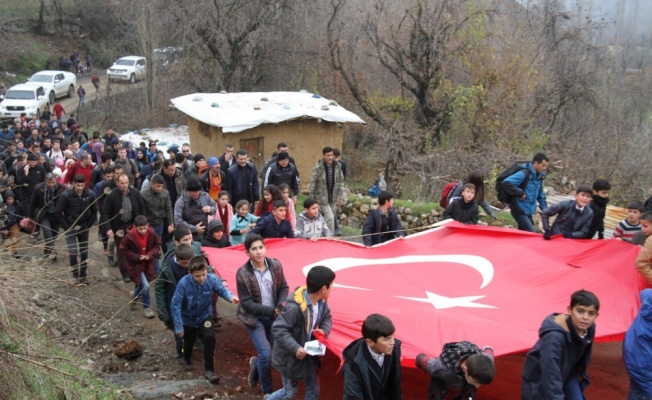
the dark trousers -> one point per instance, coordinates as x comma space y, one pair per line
77, 241
50, 226
117, 239
205, 329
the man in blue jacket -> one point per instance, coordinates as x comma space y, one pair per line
192, 310
526, 189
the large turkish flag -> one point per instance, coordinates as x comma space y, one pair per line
490, 286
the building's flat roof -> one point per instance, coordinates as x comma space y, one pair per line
237, 112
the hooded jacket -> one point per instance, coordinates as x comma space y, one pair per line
599, 206
251, 304
533, 190
358, 376
292, 330
308, 228
558, 354
192, 302
637, 346
131, 254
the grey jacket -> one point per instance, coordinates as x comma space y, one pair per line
158, 206
308, 228
203, 200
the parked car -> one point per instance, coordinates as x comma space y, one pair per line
56, 83
131, 68
24, 98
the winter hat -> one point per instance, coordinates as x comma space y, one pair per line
58, 162
193, 185
32, 157
282, 156
173, 149
198, 157
152, 143
214, 226
10, 193
212, 161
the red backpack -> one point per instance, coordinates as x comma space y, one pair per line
446, 194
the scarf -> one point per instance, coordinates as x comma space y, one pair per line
215, 186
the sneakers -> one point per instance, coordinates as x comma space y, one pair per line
149, 313
252, 379
267, 396
82, 281
111, 261
211, 377
187, 366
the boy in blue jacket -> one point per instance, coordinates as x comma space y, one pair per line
274, 225
573, 216
192, 309
556, 367
637, 350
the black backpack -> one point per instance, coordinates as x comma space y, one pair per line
501, 193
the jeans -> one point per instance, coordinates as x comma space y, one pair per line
573, 390
142, 290
81, 101
73, 239
208, 338
636, 394
50, 228
289, 389
524, 222
261, 336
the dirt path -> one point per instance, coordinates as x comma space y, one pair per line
102, 320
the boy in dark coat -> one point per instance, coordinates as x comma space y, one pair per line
215, 236
372, 364
464, 209
556, 367
274, 225
573, 216
382, 224
140, 248
601, 188
293, 328
460, 368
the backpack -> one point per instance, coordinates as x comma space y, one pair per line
446, 194
502, 195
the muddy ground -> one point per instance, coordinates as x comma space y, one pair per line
97, 319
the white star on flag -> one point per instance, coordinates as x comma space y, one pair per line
443, 302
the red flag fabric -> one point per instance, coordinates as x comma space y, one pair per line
490, 286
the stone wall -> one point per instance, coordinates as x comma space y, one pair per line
355, 211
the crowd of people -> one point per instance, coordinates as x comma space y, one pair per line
157, 210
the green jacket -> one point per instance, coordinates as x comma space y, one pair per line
166, 284
318, 189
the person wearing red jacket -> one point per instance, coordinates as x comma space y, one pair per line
82, 167
140, 248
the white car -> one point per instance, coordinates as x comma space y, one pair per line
56, 83
131, 68
24, 98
